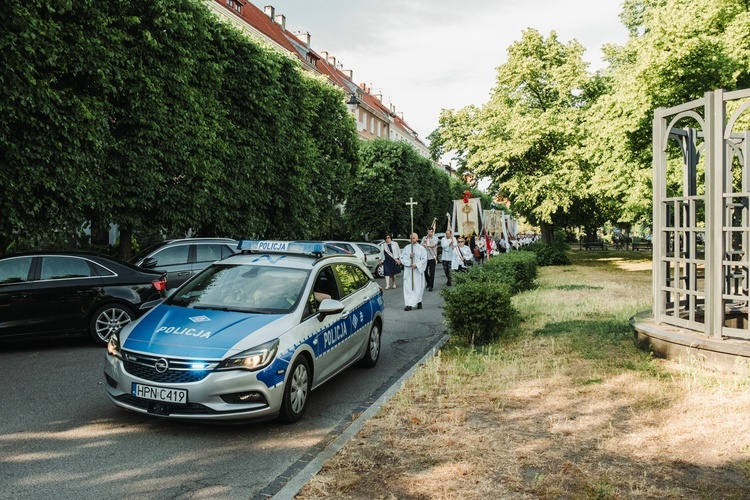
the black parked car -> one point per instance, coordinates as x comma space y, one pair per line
183, 258
53, 293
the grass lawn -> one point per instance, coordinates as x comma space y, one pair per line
567, 408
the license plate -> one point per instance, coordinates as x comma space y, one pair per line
159, 393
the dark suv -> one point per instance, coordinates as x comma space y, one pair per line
182, 258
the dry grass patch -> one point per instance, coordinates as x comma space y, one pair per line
568, 409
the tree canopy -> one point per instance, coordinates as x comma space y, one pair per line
389, 175
568, 147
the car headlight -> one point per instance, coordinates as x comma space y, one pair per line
252, 359
113, 346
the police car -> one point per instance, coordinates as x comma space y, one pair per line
249, 337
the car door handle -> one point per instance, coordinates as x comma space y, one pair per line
345, 315
19, 296
183, 273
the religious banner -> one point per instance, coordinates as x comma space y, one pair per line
505, 219
493, 222
466, 216
513, 226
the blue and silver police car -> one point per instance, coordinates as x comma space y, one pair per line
249, 337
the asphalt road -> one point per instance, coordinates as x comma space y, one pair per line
61, 438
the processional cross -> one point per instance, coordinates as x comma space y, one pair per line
411, 204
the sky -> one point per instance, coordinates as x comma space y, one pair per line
427, 55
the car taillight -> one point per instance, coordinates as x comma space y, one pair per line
160, 284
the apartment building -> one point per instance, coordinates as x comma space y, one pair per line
374, 118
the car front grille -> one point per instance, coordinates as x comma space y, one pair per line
179, 371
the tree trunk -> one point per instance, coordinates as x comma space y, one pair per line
547, 232
126, 243
99, 233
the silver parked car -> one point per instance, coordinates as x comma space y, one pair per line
373, 257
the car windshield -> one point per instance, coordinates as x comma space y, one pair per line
251, 289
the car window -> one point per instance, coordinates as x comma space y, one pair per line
102, 271
171, 256
369, 249
211, 252
255, 289
352, 278
324, 287
326, 283
15, 270
56, 268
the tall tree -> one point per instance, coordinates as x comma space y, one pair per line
390, 173
527, 137
678, 50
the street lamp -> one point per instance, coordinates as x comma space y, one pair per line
353, 102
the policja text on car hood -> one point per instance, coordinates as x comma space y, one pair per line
201, 333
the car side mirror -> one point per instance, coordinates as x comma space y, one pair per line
329, 306
149, 263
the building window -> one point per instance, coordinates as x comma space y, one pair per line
235, 4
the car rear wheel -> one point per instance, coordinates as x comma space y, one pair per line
107, 320
379, 273
296, 390
373, 347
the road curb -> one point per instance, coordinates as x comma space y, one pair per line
296, 483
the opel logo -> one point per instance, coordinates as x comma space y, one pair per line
161, 365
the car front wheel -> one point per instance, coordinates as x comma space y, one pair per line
373, 347
107, 320
379, 273
296, 390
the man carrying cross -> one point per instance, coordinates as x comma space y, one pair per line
414, 259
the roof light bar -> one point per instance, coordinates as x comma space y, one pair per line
281, 247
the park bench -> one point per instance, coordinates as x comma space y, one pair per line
591, 245
642, 245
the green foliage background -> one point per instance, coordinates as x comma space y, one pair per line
163, 120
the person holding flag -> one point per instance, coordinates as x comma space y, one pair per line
489, 245
414, 259
430, 243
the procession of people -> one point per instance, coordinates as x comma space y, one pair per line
418, 259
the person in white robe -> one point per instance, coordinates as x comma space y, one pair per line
449, 245
414, 259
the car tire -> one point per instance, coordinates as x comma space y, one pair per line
107, 320
296, 391
372, 353
379, 273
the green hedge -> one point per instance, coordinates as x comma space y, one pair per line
478, 309
479, 312
516, 269
549, 255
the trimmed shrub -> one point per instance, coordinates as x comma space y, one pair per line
479, 312
516, 269
548, 255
